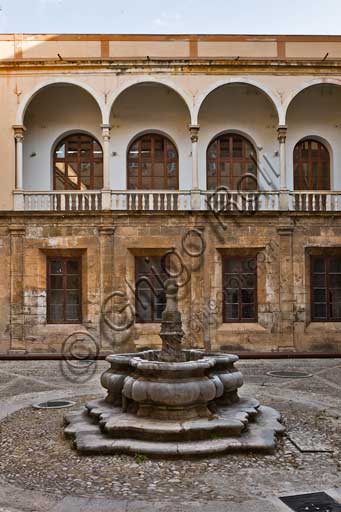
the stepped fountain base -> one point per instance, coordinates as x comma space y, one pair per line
173, 409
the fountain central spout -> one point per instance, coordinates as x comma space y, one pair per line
171, 326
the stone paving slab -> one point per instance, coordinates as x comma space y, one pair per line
103, 505
15, 499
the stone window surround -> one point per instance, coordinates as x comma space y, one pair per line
216, 288
44, 254
311, 325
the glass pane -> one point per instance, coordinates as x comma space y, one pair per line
335, 310
71, 312
231, 281
248, 311
232, 265
247, 296
60, 152
319, 280
335, 295
72, 298
231, 295
237, 147
56, 314
335, 280
171, 169
56, 267
319, 265
56, 282
320, 311
231, 311
85, 168
319, 295
72, 267
56, 297
73, 282
98, 183
98, 169
335, 265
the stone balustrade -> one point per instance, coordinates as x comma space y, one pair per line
161, 200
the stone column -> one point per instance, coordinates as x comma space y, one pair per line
284, 195
286, 287
106, 194
19, 132
195, 193
106, 241
17, 325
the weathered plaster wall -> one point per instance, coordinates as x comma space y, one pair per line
109, 244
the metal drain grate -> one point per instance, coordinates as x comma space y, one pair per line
314, 502
54, 404
283, 374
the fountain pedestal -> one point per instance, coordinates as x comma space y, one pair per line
172, 402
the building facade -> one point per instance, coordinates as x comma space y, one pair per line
129, 159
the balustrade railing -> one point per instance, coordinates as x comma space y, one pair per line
160, 200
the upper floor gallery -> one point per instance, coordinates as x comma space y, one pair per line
256, 129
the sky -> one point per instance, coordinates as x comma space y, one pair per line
171, 17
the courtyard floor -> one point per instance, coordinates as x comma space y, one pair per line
39, 471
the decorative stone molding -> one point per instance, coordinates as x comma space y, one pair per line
106, 230
106, 132
194, 131
17, 230
282, 133
19, 132
285, 230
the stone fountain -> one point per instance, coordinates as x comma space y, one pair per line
172, 402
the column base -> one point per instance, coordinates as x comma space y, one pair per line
195, 199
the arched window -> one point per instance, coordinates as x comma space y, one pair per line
78, 163
230, 157
311, 166
153, 163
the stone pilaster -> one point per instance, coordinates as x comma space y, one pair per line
17, 323
195, 192
284, 195
106, 129
286, 284
106, 240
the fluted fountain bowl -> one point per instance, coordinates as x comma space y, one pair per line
163, 408
172, 402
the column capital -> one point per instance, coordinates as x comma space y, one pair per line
282, 133
106, 129
285, 230
17, 230
194, 131
106, 230
19, 132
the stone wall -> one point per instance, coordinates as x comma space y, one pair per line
108, 244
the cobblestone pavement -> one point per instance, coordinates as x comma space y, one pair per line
40, 472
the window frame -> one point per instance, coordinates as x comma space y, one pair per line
327, 287
231, 181
167, 144
151, 303
298, 163
240, 319
65, 259
90, 160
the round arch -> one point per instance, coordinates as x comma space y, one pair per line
306, 85
231, 156
151, 131
328, 159
237, 132
167, 83
275, 100
78, 141
27, 98
155, 152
